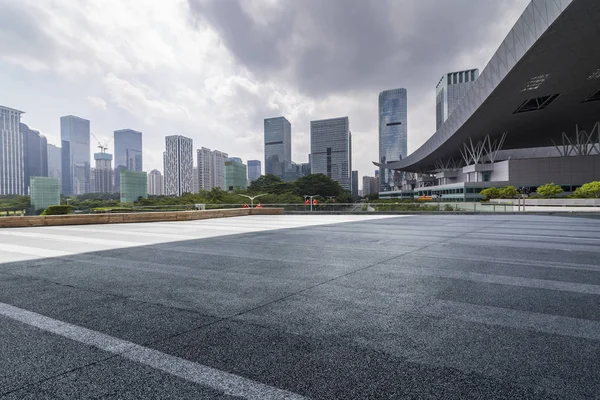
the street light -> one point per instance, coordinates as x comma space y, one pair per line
252, 198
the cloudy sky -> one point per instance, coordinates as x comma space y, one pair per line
212, 70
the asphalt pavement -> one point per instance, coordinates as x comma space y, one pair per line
303, 306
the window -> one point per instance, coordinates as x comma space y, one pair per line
536, 104
472, 75
460, 77
594, 97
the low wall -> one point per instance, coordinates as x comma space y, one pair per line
551, 202
87, 219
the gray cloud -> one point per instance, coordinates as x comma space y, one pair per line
328, 47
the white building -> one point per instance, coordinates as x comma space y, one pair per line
155, 183
204, 157
11, 152
179, 165
450, 90
218, 169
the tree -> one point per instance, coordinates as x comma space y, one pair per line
490, 193
268, 184
318, 184
589, 190
549, 190
508, 192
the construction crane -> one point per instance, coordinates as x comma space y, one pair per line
102, 146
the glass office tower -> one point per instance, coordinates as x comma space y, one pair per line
330, 146
450, 90
392, 135
75, 150
278, 146
11, 152
128, 153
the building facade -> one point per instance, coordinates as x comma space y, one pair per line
133, 186
102, 174
75, 151
45, 192
155, 183
355, 183
278, 146
11, 152
392, 134
450, 90
254, 170
54, 162
204, 158
236, 176
218, 169
330, 144
179, 165
370, 185
35, 155
128, 152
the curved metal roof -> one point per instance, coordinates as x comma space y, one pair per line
552, 50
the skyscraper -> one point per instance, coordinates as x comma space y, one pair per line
218, 169
35, 155
330, 145
128, 152
54, 157
354, 183
195, 183
254, 170
278, 146
450, 90
155, 183
392, 135
75, 145
179, 165
204, 157
102, 174
11, 152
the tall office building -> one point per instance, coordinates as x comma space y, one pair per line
355, 183
45, 192
102, 174
75, 145
179, 165
278, 146
254, 170
218, 169
330, 145
35, 155
155, 183
195, 183
236, 176
450, 90
370, 185
134, 184
392, 135
204, 157
11, 152
54, 163
128, 153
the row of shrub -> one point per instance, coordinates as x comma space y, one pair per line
549, 190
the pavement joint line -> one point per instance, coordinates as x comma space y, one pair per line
516, 235
225, 382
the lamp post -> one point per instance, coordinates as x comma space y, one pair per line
252, 198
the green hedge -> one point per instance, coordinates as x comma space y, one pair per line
58, 210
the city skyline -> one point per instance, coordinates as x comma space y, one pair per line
222, 104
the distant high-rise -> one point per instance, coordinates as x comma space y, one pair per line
45, 192
331, 144
75, 142
354, 183
450, 90
195, 183
155, 183
54, 163
236, 176
218, 169
254, 170
370, 185
179, 165
278, 146
134, 184
35, 155
204, 157
128, 152
392, 134
102, 174
11, 152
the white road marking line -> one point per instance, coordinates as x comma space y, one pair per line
226, 382
67, 238
32, 251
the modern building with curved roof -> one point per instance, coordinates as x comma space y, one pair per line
540, 89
